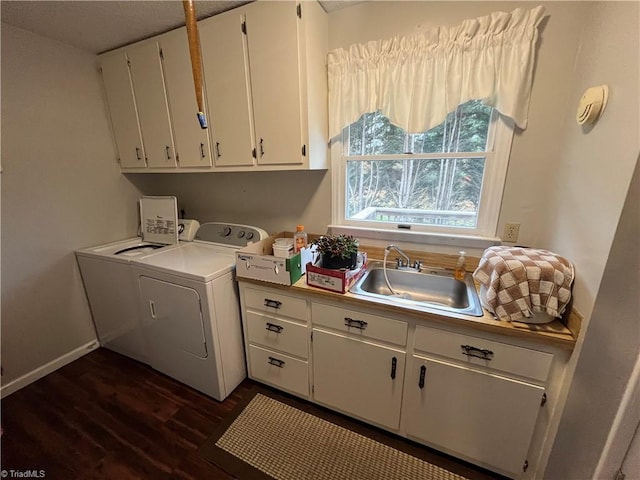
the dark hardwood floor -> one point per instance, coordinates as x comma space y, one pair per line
105, 416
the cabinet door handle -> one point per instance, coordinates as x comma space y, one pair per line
261, 147
202, 154
394, 364
168, 151
218, 149
423, 373
272, 303
272, 327
138, 153
276, 362
472, 351
152, 309
359, 324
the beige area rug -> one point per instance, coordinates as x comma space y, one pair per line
286, 443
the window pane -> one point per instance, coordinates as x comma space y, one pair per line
442, 191
465, 130
373, 134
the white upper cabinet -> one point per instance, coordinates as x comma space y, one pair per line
226, 72
265, 77
152, 103
287, 44
122, 110
191, 141
272, 35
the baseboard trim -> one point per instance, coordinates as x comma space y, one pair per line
52, 366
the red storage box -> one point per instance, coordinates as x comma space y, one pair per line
334, 280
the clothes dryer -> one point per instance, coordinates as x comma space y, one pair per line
190, 309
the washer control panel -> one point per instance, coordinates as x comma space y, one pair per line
230, 234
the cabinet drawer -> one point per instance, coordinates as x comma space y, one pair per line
271, 301
279, 370
478, 351
277, 334
361, 324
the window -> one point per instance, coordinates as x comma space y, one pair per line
448, 179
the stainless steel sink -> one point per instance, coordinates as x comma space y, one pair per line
420, 290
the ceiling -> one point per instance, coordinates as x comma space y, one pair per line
98, 26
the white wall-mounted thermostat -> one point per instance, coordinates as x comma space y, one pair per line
592, 105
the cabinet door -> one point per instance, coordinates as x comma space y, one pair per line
151, 99
192, 142
482, 416
122, 110
226, 73
358, 377
272, 34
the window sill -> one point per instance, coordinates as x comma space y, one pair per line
418, 238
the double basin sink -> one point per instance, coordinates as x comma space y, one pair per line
426, 289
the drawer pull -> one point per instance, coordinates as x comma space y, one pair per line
272, 327
350, 322
272, 303
423, 373
482, 353
276, 362
394, 364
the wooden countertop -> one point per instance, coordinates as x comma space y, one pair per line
554, 334
559, 333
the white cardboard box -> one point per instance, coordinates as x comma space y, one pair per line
257, 261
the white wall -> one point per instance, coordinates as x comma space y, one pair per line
61, 190
592, 172
275, 201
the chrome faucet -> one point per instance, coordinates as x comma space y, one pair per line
399, 262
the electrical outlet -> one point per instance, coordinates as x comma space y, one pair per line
511, 231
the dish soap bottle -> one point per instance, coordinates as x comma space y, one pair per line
460, 270
299, 239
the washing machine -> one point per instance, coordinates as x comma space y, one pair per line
190, 309
110, 287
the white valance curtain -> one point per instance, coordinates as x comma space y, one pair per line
416, 81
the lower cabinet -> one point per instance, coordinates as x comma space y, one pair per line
478, 415
478, 398
358, 377
276, 338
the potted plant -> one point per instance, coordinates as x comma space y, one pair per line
337, 251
